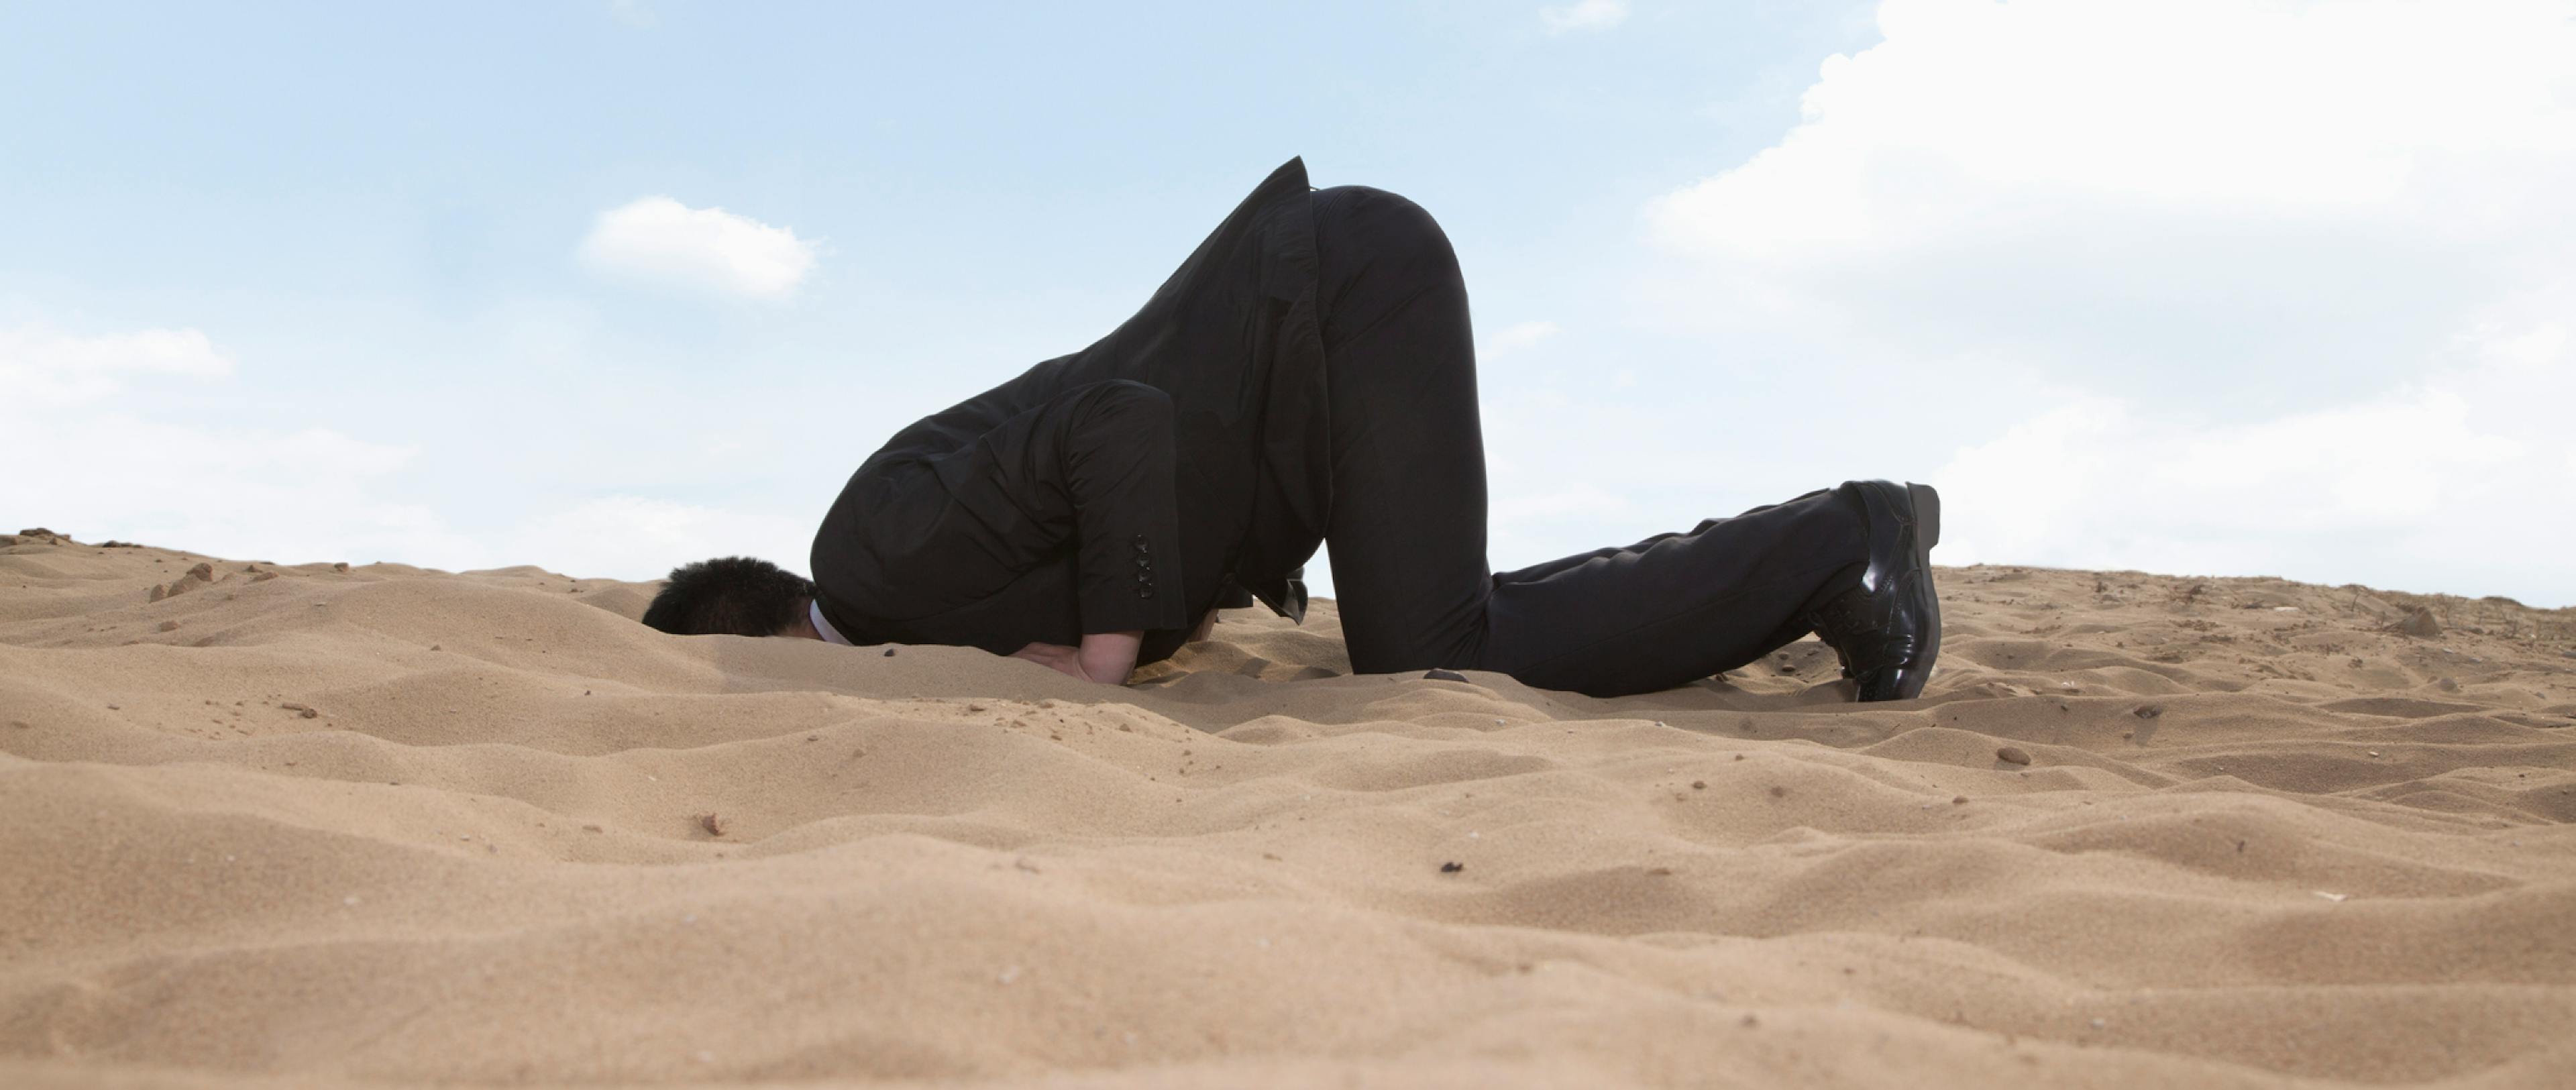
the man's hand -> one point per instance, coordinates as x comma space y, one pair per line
1053, 656
1104, 657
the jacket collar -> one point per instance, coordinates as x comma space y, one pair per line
823, 624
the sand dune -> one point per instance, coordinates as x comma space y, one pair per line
269, 826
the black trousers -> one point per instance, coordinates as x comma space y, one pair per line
1407, 526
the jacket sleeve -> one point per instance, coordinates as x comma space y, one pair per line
1090, 471
1115, 464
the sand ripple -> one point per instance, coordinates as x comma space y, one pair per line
272, 825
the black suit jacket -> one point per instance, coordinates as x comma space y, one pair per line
1130, 485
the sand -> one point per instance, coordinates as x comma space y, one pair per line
281, 826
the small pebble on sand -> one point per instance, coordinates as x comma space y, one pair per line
2013, 755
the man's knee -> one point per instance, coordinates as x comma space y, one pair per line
1375, 221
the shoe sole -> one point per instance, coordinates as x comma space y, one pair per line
1927, 533
1927, 518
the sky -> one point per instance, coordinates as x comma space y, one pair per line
2199, 288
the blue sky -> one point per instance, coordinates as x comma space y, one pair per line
2206, 288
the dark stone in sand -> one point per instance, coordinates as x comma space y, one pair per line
1443, 675
2013, 755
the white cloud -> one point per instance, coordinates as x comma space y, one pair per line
45, 366
1975, 114
2095, 482
118, 467
1513, 338
241, 491
1584, 15
660, 239
318, 494
2268, 287
637, 537
245, 492
2437, 487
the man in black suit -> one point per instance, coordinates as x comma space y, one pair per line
1307, 375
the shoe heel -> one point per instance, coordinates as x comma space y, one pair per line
1927, 514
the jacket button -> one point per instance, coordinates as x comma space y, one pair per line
1144, 577
1144, 592
1142, 562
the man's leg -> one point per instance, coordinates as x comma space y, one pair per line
1684, 607
1407, 528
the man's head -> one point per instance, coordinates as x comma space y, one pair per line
731, 594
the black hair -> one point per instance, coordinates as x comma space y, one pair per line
729, 594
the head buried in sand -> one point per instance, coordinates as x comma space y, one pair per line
736, 595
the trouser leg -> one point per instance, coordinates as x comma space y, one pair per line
1681, 608
1407, 527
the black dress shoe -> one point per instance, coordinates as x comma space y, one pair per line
1887, 630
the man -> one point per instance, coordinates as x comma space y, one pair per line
1307, 375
